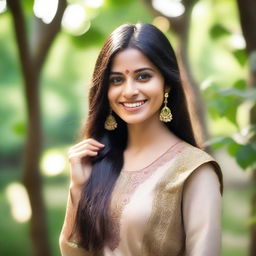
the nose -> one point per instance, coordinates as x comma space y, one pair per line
130, 89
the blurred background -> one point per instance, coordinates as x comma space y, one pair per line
47, 52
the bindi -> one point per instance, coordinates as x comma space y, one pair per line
127, 71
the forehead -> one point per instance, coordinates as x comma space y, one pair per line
130, 59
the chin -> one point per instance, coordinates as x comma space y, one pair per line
135, 121
139, 118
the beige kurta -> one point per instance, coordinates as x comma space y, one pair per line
147, 211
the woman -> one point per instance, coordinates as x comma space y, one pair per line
139, 183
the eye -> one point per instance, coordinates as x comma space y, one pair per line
144, 77
116, 80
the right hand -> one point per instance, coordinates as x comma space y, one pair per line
78, 156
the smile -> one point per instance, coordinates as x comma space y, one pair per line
133, 104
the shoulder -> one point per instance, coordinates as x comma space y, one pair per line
197, 166
203, 179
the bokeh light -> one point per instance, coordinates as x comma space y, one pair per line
18, 199
93, 3
169, 8
53, 163
162, 23
237, 41
2, 6
75, 19
45, 9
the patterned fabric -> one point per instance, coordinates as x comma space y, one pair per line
126, 186
155, 195
165, 232
146, 207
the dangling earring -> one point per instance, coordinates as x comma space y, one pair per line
165, 114
110, 123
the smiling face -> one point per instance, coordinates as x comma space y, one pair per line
136, 87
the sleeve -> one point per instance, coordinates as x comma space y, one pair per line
202, 212
68, 245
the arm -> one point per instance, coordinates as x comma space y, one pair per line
202, 213
67, 242
80, 166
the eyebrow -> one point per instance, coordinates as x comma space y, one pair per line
135, 71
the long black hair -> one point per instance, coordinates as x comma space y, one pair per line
92, 219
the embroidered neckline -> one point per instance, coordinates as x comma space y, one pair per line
154, 162
126, 186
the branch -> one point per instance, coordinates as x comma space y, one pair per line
21, 36
246, 10
46, 34
179, 24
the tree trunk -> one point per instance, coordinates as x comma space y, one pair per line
31, 64
31, 175
32, 178
246, 10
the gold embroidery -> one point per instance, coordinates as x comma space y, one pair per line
127, 183
164, 233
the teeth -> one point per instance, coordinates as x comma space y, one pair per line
133, 105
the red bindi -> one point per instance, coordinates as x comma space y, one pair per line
127, 71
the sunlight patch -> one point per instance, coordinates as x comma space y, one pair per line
18, 199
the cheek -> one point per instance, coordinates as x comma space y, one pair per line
112, 96
157, 90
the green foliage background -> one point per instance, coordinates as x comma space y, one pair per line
219, 68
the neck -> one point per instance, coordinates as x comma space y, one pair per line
147, 134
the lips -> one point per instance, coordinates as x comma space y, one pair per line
133, 105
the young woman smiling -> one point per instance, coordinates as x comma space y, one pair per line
140, 185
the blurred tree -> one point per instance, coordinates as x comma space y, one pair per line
32, 57
246, 10
227, 102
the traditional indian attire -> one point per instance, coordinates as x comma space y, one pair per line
148, 213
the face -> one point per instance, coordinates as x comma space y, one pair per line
136, 87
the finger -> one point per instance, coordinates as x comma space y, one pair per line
83, 148
89, 142
82, 154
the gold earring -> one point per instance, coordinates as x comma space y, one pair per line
110, 123
165, 114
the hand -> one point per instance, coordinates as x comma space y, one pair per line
79, 158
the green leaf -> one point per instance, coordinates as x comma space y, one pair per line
233, 148
240, 56
219, 142
240, 84
231, 111
225, 106
217, 31
19, 128
246, 156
